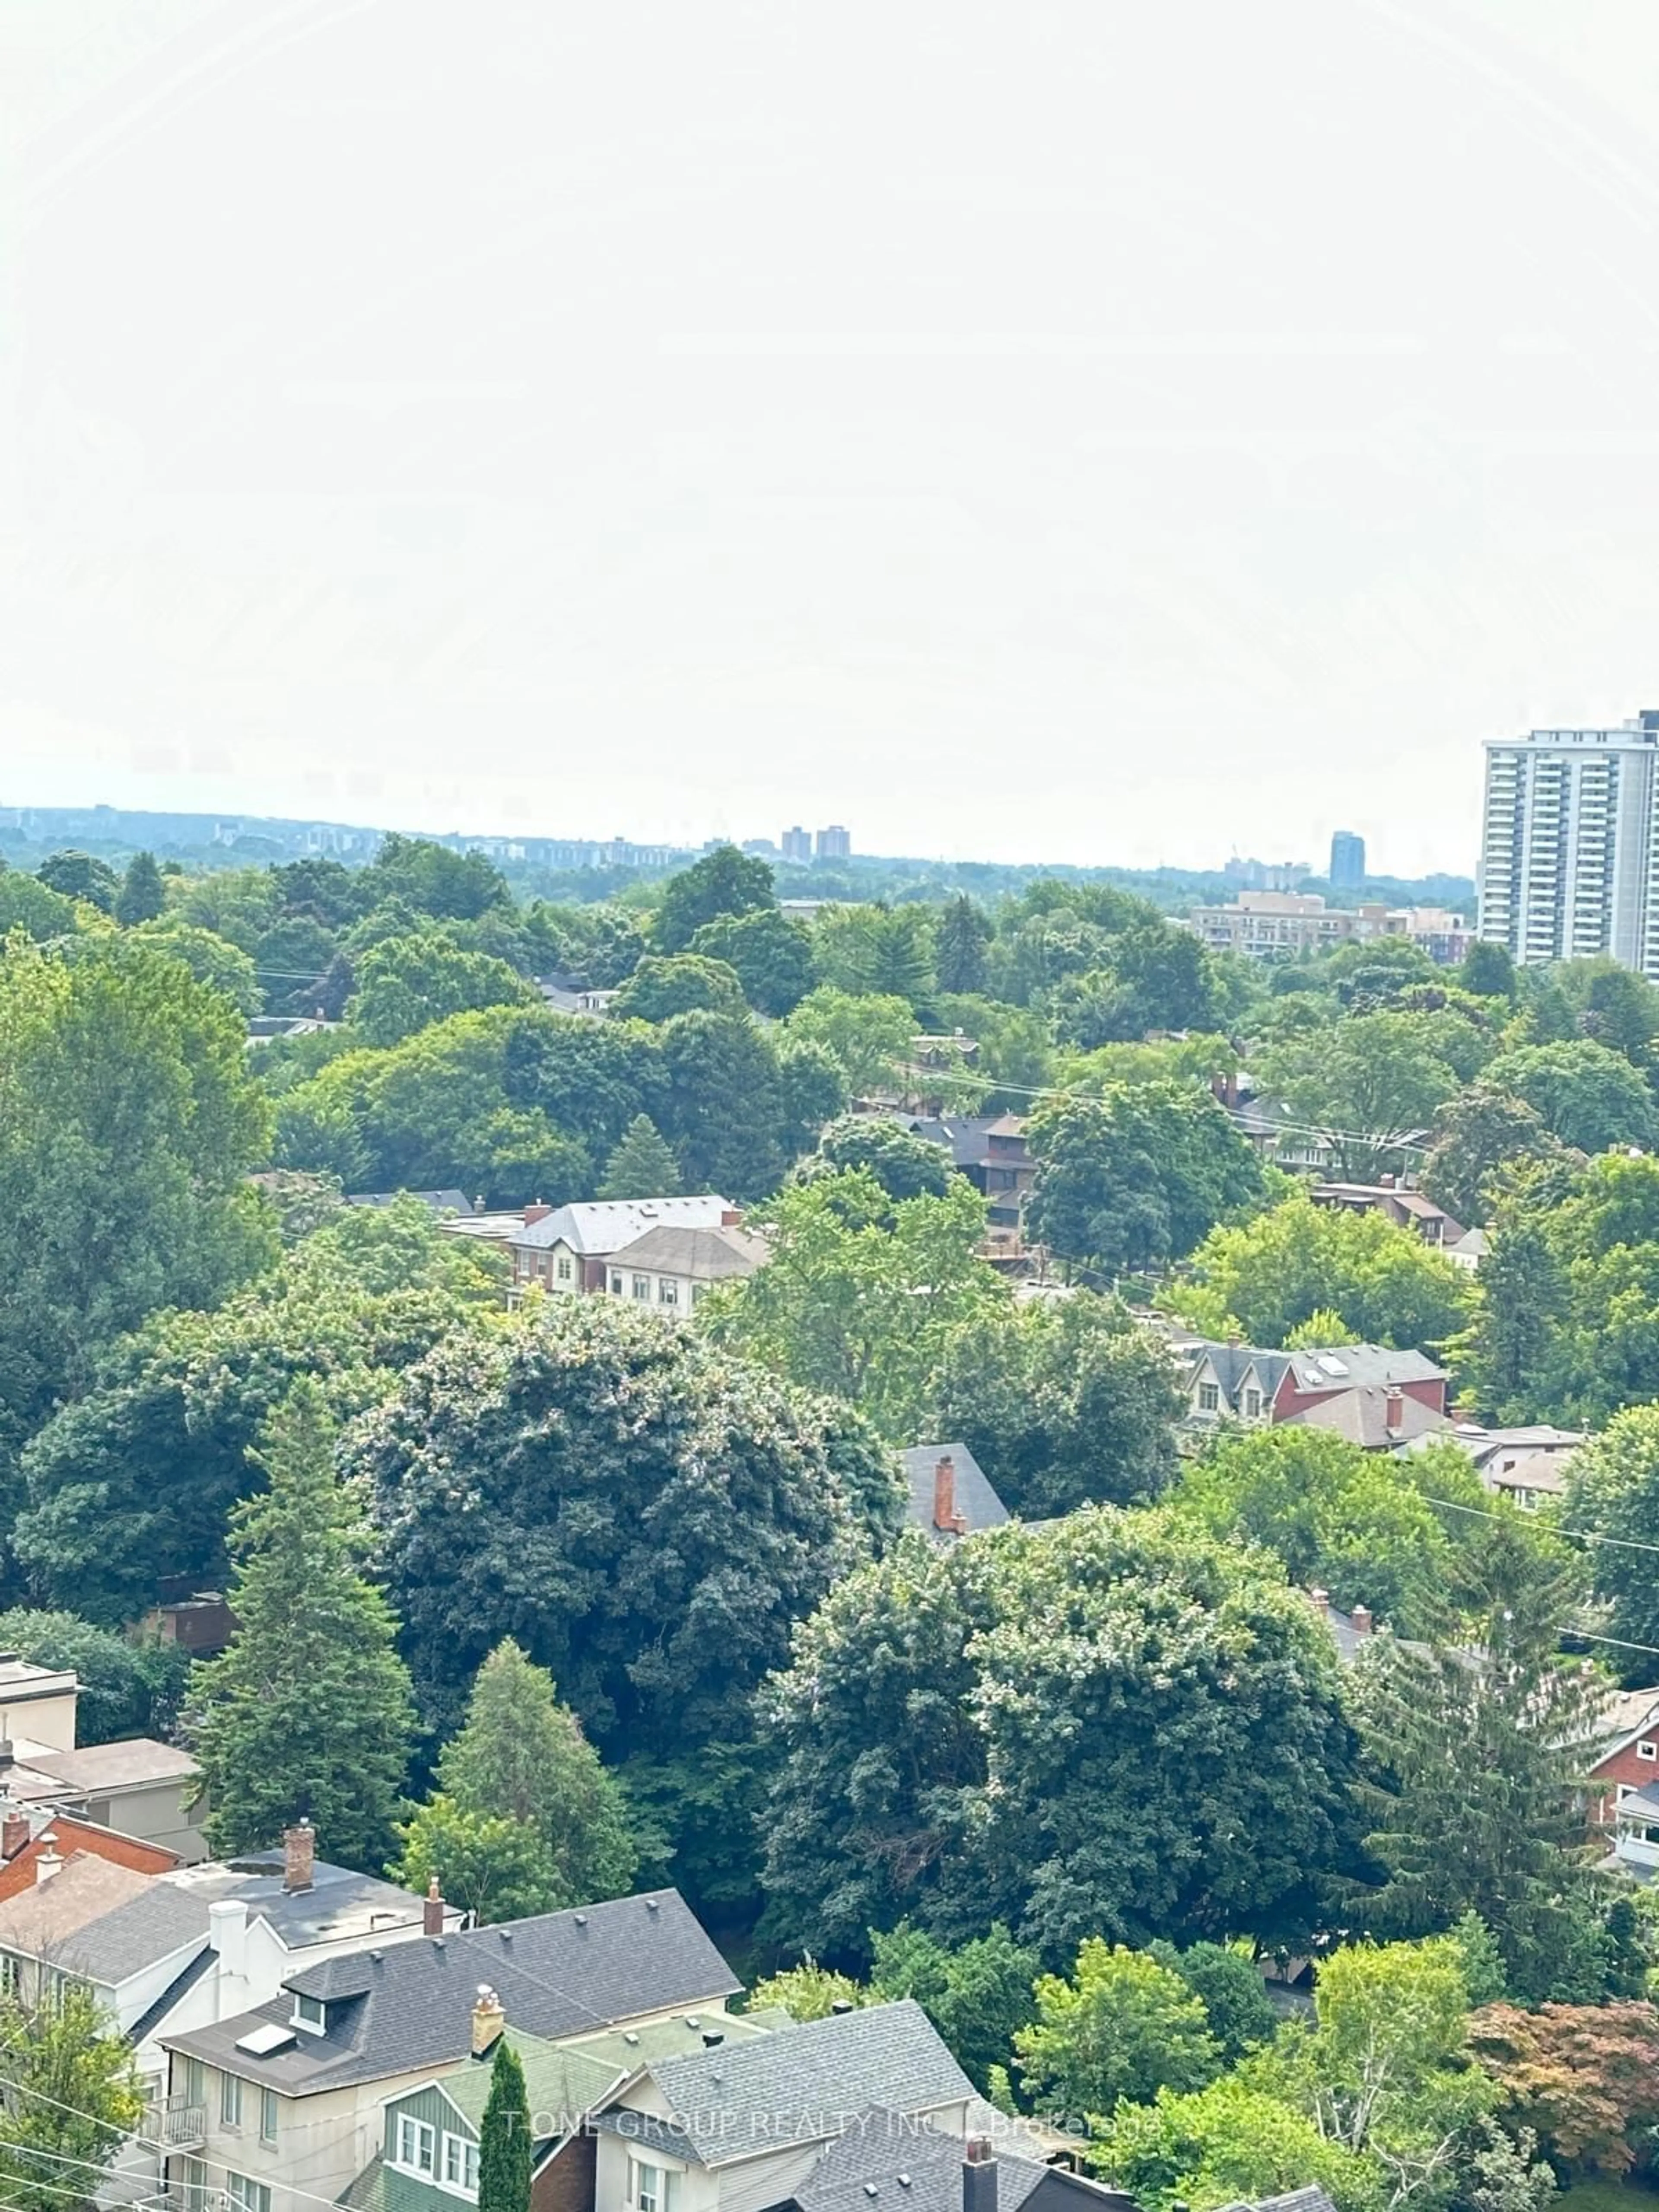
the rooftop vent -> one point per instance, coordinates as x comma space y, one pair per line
581, 1919
652, 1904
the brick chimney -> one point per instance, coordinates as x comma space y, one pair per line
731, 1218
489, 2019
1319, 1599
537, 1212
433, 1910
299, 1855
979, 2175
1394, 1412
1361, 1617
945, 1515
14, 1834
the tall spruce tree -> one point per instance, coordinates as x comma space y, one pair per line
504, 2143
308, 1712
642, 1165
959, 943
522, 1756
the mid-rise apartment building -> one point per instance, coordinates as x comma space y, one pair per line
1569, 844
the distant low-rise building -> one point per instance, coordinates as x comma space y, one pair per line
1279, 925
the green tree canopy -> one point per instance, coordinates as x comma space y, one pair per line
406, 984
133, 1482
772, 958
1137, 1176
1009, 1728
506, 2137
1366, 1084
1482, 1132
75, 876
211, 959
960, 938
651, 1558
72, 2096
1062, 1403
977, 1994
905, 1166
429, 879
143, 894
306, 1713
725, 881
1119, 2030
128, 1121
1227, 1982
1613, 1489
663, 986
869, 1034
1269, 1275
860, 1294
1586, 1094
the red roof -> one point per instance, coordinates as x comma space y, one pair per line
70, 1835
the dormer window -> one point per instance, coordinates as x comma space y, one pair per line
311, 2014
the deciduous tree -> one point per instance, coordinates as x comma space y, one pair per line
1119, 2030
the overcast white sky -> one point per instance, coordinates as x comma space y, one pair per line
1078, 430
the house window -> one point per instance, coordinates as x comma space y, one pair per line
564, 1271
230, 2101
194, 2081
642, 1286
617, 1288
267, 2116
247, 2195
1209, 1397
461, 2165
416, 2143
1252, 1405
312, 2013
1622, 1790
1645, 1750
650, 2188
668, 1294
9, 1964
193, 2174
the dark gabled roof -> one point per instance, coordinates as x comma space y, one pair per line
977, 1502
147, 2022
410, 2005
802, 2084
1231, 1363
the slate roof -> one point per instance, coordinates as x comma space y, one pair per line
600, 1226
976, 1501
1230, 1363
410, 2005
707, 1255
803, 2084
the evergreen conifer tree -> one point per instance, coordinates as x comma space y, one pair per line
504, 2145
307, 1712
642, 1166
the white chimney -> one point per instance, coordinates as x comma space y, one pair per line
228, 1936
48, 1863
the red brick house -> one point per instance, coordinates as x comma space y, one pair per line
1626, 1753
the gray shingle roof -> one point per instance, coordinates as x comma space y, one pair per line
976, 1501
410, 2005
1311, 2199
804, 2084
1361, 1416
707, 1255
860, 2172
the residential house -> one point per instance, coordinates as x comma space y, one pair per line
27, 1841
1407, 1209
1622, 1761
671, 1268
136, 1785
430, 2137
1635, 1832
891, 2163
1374, 1395
452, 1204
290, 2093
570, 1248
1349, 1631
1528, 1466
950, 1493
566, 996
166, 1949
992, 1152
741, 2128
